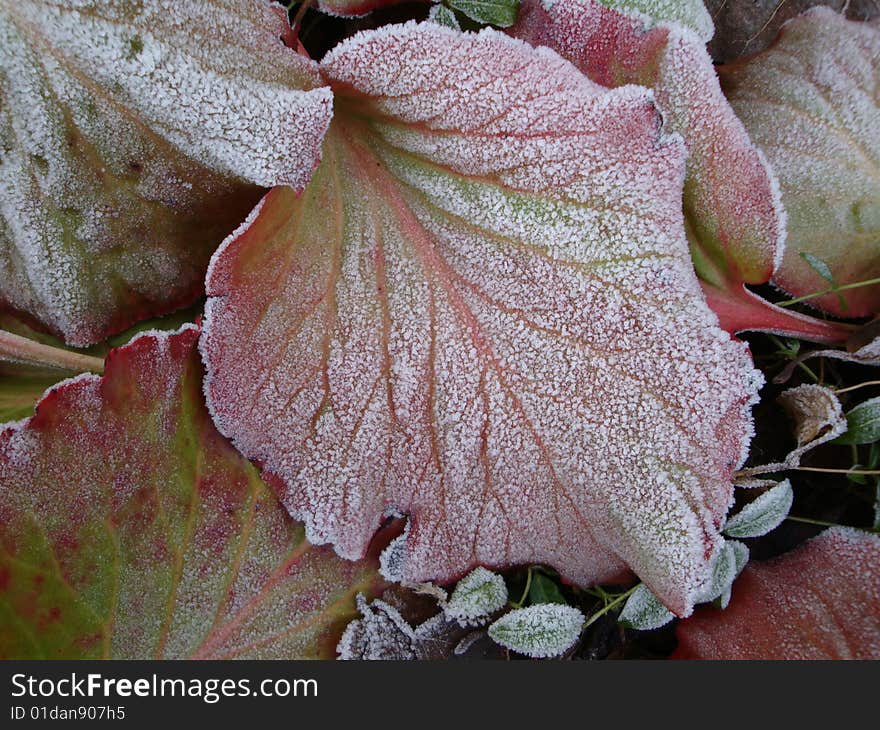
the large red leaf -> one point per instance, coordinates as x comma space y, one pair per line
735, 220
481, 313
130, 528
811, 104
820, 601
133, 137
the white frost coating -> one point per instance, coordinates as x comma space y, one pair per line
477, 595
690, 13
382, 633
542, 631
723, 573
763, 514
130, 134
643, 611
810, 102
731, 197
482, 314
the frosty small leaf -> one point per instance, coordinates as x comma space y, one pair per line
763, 514
482, 314
544, 590
501, 13
722, 575
132, 139
820, 601
129, 528
542, 631
442, 15
644, 611
862, 424
740, 555
477, 595
810, 103
353, 8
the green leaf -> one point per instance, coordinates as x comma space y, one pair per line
690, 13
541, 631
544, 590
644, 611
763, 514
500, 13
132, 529
442, 15
862, 424
722, 575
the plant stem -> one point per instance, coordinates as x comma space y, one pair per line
856, 387
861, 472
822, 523
831, 290
16, 348
619, 599
525, 592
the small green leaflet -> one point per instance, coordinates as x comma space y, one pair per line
477, 595
723, 573
823, 270
500, 13
862, 424
544, 590
541, 631
644, 611
442, 15
764, 514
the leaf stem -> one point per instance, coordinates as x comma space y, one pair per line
822, 523
831, 290
525, 592
861, 472
16, 348
602, 611
857, 386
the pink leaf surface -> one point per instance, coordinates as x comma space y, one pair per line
133, 137
735, 220
820, 601
130, 528
810, 102
482, 314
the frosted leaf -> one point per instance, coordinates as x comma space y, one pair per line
865, 354
382, 633
482, 314
131, 529
115, 185
763, 514
734, 215
690, 13
810, 103
820, 601
477, 595
723, 573
740, 555
644, 611
863, 424
541, 631
442, 15
500, 13
818, 419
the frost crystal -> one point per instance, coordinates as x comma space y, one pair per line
476, 596
545, 630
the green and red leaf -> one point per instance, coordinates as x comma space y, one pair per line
133, 137
481, 313
130, 528
810, 103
